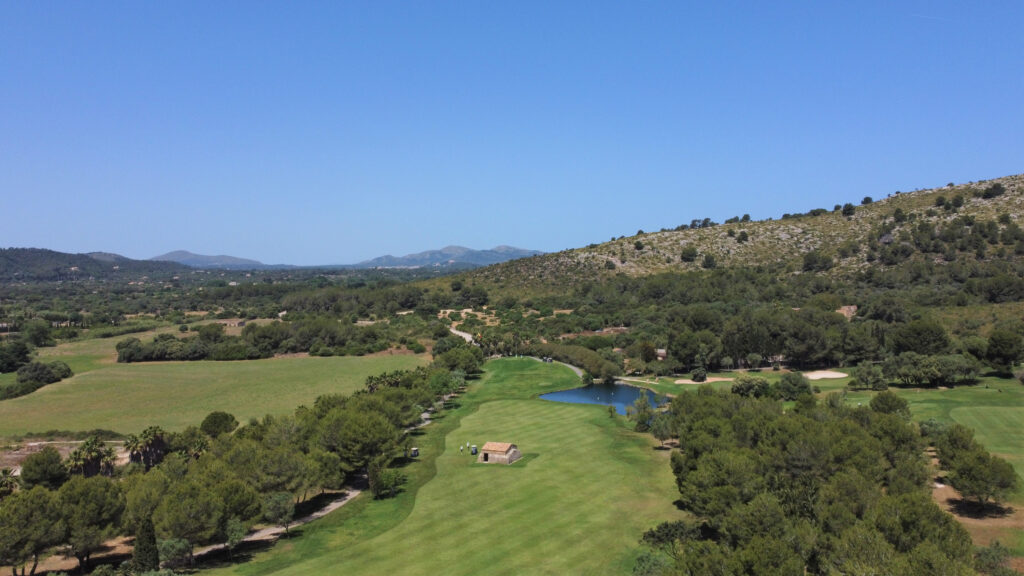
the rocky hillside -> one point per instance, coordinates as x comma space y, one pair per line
974, 220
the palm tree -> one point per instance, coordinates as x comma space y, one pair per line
92, 457
133, 445
8, 482
152, 446
108, 458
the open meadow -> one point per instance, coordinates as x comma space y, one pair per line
578, 502
129, 397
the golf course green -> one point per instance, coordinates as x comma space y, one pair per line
579, 500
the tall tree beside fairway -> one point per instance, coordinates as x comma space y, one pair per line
641, 412
143, 493
92, 509
30, 523
234, 534
982, 476
189, 512
358, 437
1005, 348
145, 554
279, 508
661, 427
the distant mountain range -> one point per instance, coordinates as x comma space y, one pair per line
38, 264
222, 262
450, 256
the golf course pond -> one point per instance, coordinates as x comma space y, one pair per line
617, 395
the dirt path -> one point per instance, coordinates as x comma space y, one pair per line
273, 532
578, 371
464, 335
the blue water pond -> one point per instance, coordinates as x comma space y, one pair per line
617, 395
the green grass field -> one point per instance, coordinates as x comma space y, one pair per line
577, 503
128, 397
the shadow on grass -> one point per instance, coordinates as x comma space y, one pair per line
402, 462
242, 553
303, 509
526, 459
978, 511
112, 560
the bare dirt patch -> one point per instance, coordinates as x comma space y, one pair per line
12, 456
1002, 523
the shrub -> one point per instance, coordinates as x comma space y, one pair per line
792, 385
700, 374
993, 191
217, 423
43, 373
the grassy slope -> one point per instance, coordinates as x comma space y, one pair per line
129, 397
577, 503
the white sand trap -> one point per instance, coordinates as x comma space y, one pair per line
824, 375
708, 381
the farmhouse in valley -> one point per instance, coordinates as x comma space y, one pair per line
501, 452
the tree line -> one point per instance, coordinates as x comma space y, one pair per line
211, 483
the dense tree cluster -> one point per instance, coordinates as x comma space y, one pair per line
319, 336
823, 489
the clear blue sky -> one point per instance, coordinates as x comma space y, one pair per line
312, 133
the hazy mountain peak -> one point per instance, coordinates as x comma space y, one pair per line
202, 261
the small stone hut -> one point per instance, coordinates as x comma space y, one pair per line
500, 452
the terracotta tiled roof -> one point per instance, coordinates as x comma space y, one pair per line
497, 447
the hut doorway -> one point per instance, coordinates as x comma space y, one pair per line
485, 456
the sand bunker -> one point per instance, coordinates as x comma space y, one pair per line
824, 375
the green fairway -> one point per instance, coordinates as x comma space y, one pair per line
1000, 429
129, 397
577, 503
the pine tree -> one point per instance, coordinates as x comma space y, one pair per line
146, 556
